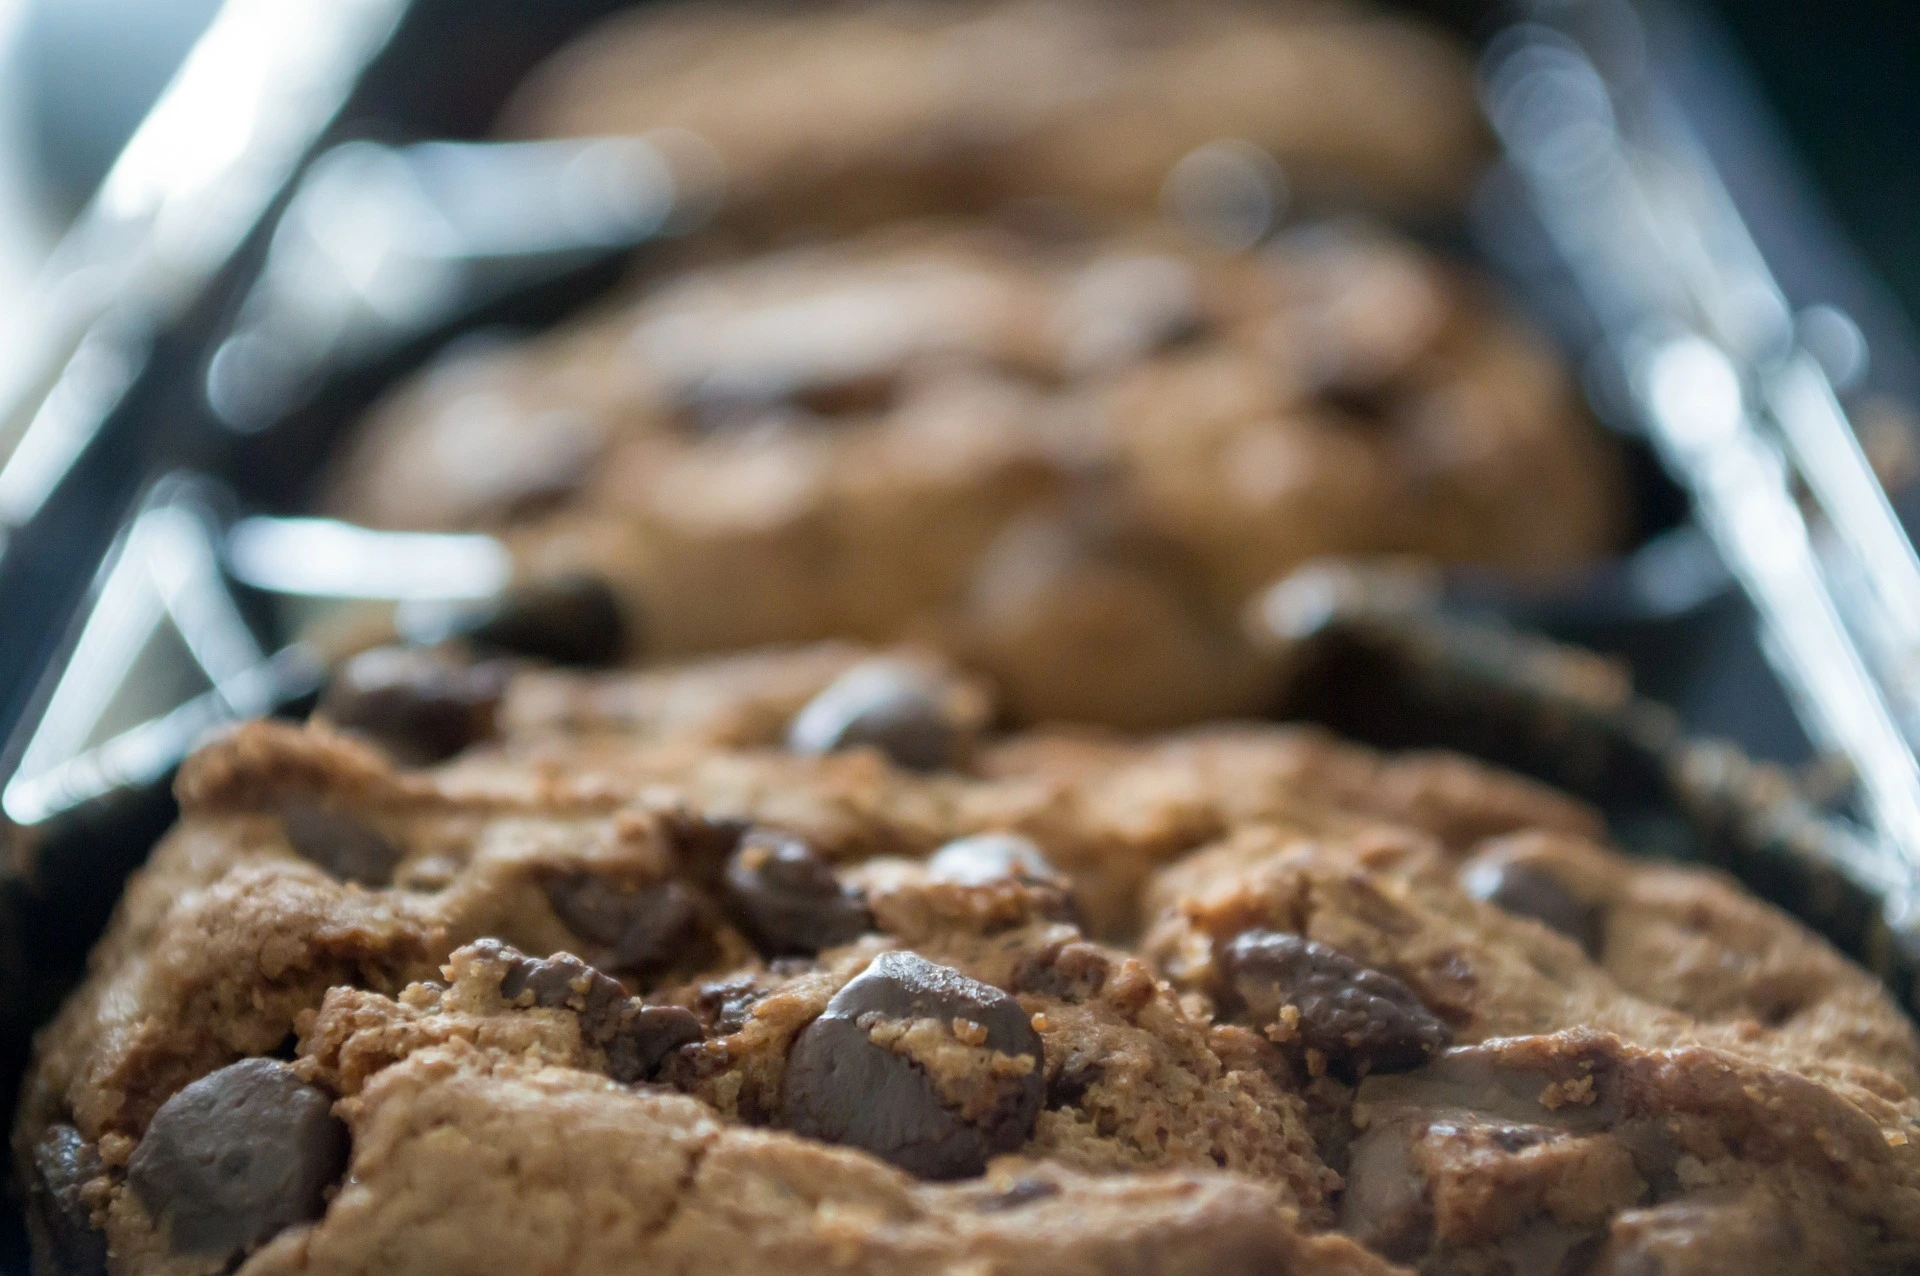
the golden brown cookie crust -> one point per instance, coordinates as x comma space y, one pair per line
1634, 1061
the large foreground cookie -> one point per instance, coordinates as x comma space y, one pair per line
844, 114
1069, 462
732, 968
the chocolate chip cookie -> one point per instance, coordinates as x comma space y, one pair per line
659, 974
833, 115
1069, 462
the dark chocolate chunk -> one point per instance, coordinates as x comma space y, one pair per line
986, 858
559, 982
1532, 890
340, 843
419, 707
237, 1156
1360, 1019
884, 705
636, 1037
728, 1003
788, 900
640, 1039
570, 620
59, 1219
647, 929
843, 1087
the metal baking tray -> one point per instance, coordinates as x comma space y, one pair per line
130, 629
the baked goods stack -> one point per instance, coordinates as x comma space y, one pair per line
1070, 463
921, 889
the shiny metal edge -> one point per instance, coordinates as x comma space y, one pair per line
245, 108
1741, 411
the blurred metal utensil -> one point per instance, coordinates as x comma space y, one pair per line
260, 85
381, 244
170, 650
1741, 412
125, 708
323, 558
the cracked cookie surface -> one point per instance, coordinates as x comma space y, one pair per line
637, 984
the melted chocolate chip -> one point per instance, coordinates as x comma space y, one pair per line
637, 1038
647, 929
1358, 1018
843, 1087
641, 1039
559, 982
728, 1003
418, 706
986, 858
788, 900
59, 1218
238, 1156
1386, 1205
570, 620
884, 705
340, 843
1531, 890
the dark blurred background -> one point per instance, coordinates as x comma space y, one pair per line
1844, 80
